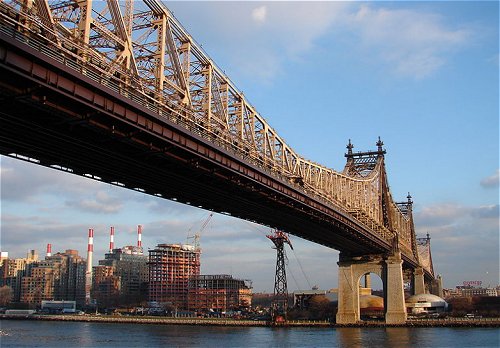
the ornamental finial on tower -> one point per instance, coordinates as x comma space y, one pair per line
409, 198
379, 144
349, 147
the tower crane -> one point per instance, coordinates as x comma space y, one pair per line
196, 236
280, 301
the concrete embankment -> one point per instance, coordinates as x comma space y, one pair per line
166, 320
455, 322
140, 320
448, 322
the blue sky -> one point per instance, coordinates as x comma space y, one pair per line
424, 76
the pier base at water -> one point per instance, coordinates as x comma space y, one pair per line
394, 291
390, 270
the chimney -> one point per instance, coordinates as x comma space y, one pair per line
49, 250
90, 251
88, 273
139, 236
112, 239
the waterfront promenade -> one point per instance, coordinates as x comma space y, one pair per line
445, 322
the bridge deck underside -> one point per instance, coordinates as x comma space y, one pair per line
60, 128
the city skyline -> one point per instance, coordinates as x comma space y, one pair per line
422, 76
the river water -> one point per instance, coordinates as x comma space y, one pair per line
27, 333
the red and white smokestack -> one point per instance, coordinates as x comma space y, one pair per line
88, 273
90, 251
49, 250
111, 239
139, 236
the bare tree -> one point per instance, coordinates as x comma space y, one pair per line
6, 294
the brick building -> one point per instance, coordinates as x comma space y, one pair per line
170, 268
12, 271
57, 277
106, 286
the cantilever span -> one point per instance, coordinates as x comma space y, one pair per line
120, 92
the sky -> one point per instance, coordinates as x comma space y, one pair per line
424, 76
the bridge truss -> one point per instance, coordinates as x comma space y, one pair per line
141, 51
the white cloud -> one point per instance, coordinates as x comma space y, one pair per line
495, 59
439, 215
487, 211
101, 203
464, 241
298, 25
22, 232
414, 43
262, 38
491, 181
259, 14
24, 181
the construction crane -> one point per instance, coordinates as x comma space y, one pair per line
196, 236
280, 301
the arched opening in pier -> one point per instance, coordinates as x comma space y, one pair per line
371, 297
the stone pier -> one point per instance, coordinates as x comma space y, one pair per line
394, 299
418, 281
388, 268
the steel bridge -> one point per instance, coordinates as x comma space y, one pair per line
121, 93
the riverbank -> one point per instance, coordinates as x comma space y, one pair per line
447, 322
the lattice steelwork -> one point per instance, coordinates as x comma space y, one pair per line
142, 52
424, 253
280, 300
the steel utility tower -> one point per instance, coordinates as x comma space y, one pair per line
280, 301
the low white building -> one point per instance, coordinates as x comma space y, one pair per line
59, 306
470, 292
425, 304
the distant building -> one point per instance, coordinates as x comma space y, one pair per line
170, 268
58, 306
70, 285
469, 291
12, 271
219, 293
38, 285
106, 287
57, 277
123, 273
4, 255
302, 298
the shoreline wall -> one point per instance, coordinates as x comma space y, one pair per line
448, 322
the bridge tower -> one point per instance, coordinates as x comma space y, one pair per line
389, 265
280, 301
433, 285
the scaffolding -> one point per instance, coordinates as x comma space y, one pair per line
219, 293
170, 268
